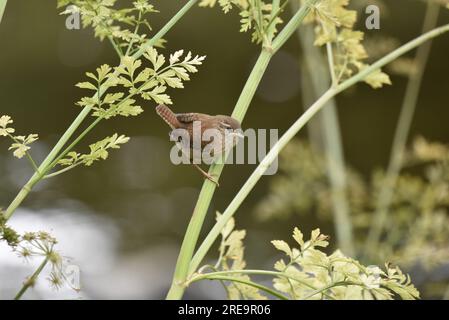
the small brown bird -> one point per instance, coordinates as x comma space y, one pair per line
227, 131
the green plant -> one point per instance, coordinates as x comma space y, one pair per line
308, 273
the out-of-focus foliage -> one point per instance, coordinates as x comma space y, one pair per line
256, 15
417, 232
309, 273
121, 25
441, 2
36, 244
335, 28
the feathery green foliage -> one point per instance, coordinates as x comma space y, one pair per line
256, 15
121, 26
335, 29
308, 273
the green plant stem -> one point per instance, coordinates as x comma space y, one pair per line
56, 173
330, 286
292, 131
47, 161
23, 193
30, 282
193, 230
249, 283
2, 8
251, 271
136, 30
402, 131
117, 49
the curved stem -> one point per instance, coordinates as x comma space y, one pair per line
56, 173
136, 30
330, 286
117, 49
249, 283
401, 133
251, 271
292, 131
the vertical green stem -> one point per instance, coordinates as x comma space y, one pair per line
208, 189
401, 133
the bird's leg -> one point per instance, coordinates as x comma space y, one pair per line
206, 175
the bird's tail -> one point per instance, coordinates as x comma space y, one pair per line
169, 117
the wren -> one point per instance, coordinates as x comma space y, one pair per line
227, 130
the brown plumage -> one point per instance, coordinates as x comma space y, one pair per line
228, 128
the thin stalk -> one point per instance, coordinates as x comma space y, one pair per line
330, 59
56, 173
136, 30
330, 286
23, 193
30, 282
250, 271
117, 49
27, 154
292, 131
2, 8
402, 131
193, 230
275, 11
250, 283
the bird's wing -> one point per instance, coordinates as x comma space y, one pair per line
189, 117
